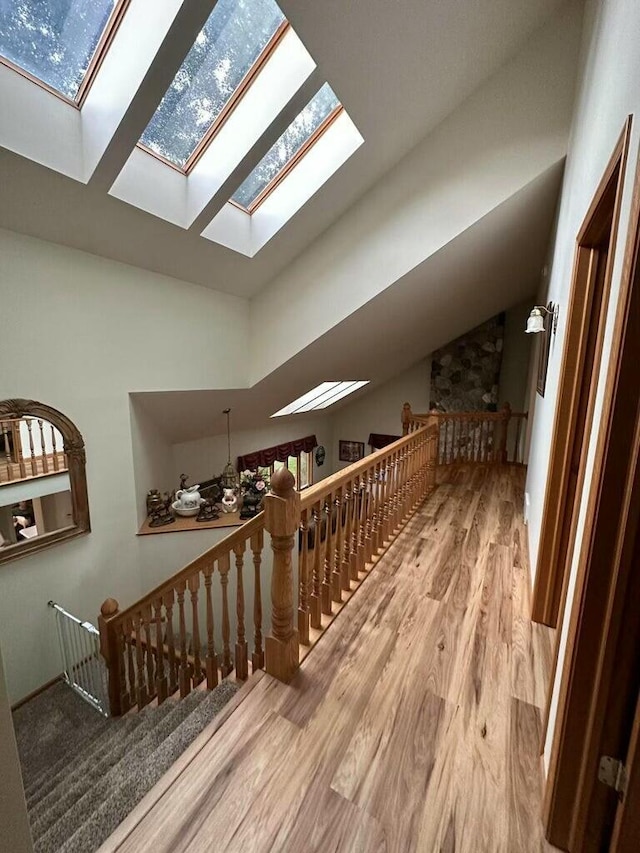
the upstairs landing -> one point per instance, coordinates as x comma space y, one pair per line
415, 723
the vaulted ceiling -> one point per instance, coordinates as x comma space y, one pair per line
399, 69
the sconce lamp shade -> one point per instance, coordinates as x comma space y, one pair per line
535, 323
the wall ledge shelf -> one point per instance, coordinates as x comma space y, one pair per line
180, 525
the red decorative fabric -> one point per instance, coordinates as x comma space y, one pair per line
279, 453
377, 440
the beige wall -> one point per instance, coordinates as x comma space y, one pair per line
97, 330
609, 90
15, 836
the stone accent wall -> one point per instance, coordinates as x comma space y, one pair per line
465, 373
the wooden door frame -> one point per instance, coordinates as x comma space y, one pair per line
560, 514
603, 567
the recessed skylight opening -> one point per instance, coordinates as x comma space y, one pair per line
229, 51
58, 44
285, 153
324, 395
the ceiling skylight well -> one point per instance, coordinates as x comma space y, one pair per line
321, 397
290, 146
226, 54
57, 43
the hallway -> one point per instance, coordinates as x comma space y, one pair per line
414, 725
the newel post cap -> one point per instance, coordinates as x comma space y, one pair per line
109, 607
282, 505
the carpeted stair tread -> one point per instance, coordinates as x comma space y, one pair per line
132, 786
49, 728
49, 778
75, 804
72, 786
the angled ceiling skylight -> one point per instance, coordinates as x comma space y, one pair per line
230, 49
58, 44
324, 395
293, 143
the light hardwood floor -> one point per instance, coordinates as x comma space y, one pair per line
414, 725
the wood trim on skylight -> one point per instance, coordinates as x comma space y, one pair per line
228, 108
104, 43
282, 174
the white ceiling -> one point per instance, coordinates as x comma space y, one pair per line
398, 67
492, 266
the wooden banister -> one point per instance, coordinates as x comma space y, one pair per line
181, 632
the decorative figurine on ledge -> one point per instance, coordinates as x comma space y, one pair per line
229, 500
254, 488
208, 511
159, 509
188, 500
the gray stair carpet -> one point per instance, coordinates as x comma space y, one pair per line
82, 796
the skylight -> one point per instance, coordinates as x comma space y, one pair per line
289, 147
324, 395
57, 43
238, 34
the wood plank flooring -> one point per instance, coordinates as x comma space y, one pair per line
414, 725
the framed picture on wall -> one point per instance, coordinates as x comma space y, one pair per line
351, 451
543, 351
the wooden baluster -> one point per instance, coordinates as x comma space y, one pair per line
56, 461
34, 463
161, 678
304, 581
382, 503
149, 652
355, 515
211, 662
282, 519
326, 548
375, 505
345, 565
184, 678
141, 687
194, 588
336, 553
506, 416
168, 601
242, 652
257, 657
369, 509
224, 565
315, 603
407, 417
7, 452
45, 460
130, 668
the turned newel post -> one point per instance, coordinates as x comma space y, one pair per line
407, 417
506, 417
111, 653
281, 520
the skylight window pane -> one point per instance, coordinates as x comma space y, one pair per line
291, 141
321, 397
54, 40
236, 33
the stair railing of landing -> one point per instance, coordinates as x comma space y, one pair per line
84, 669
474, 437
188, 634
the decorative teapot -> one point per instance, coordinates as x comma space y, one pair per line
188, 501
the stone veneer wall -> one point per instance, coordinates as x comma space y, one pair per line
466, 372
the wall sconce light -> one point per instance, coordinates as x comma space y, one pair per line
535, 323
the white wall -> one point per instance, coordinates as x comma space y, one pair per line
94, 331
516, 356
609, 90
380, 410
504, 136
15, 836
206, 457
